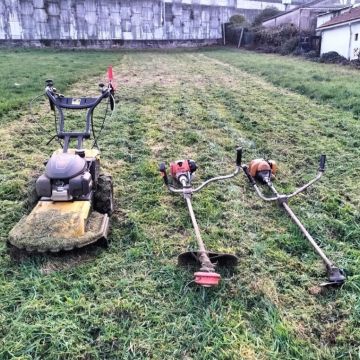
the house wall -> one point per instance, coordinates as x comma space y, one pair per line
336, 39
304, 18
342, 40
354, 44
323, 18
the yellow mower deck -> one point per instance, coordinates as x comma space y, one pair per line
55, 226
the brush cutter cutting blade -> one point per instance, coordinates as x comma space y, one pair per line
191, 258
336, 277
207, 279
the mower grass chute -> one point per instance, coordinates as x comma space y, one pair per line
74, 199
182, 175
263, 171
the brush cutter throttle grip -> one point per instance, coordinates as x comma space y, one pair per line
238, 156
162, 169
322, 163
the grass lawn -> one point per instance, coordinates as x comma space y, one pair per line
132, 301
23, 72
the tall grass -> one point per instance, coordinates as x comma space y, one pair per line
331, 84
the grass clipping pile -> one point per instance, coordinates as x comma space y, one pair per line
55, 231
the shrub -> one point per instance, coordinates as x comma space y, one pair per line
237, 19
267, 13
276, 36
332, 57
289, 46
312, 54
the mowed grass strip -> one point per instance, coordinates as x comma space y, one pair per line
331, 84
132, 301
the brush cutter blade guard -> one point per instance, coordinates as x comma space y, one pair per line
207, 279
191, 258
336, 277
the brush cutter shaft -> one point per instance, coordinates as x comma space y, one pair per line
326, 260
195, 225
206, 264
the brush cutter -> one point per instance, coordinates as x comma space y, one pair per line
182, 173
264, 171
74, 199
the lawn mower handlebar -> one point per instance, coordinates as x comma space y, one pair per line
56, 99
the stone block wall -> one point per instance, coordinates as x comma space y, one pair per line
73, 20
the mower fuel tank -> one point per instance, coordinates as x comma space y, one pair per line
80, 185
64, 166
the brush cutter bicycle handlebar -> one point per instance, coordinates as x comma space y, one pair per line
284, 197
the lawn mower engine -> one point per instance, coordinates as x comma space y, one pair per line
68, 177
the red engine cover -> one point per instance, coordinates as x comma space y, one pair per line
179, 167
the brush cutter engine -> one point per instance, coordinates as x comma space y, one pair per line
263, 170
183, 170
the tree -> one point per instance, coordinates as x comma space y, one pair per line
267, 13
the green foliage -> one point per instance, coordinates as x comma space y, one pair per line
267, 13
289, 46
132, 301
283, 39
237, 19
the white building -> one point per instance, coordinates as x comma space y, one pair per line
341, 34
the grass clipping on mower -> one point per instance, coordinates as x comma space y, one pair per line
52, 231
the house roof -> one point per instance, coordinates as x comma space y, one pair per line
304, 5
352, 14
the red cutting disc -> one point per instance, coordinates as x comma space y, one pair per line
207, 279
